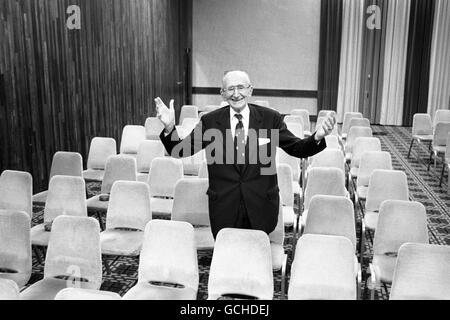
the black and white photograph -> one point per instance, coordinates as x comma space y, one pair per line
224, 155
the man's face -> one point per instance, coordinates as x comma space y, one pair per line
236, 89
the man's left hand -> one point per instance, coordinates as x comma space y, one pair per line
325, 128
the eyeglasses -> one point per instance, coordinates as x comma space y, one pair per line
240, 88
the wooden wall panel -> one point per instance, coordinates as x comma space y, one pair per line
59, 88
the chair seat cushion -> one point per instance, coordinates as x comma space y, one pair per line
288, 215
354, 172
147, 291
161, 206
371, 220
362, 192
94, 203
296, 187
39, 236
204, 238
384, 266
21, 277
47, 288
87, 294
423, 137
40, 197
93, 175
142, 177
121, 242
278, 256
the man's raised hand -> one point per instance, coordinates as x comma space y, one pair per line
165, 115
325, 128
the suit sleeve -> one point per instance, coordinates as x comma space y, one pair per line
182, 148
294, 146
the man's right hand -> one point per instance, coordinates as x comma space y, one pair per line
166, 115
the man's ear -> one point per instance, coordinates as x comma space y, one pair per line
250, 92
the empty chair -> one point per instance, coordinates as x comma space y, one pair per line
148, 150
383, 185
294, 163
241, 265
9, 290
128, 213
399, 222
370, 161
188, 111
63, 164
348, 116
15, 246
187, 126
164, 175
16, 189
446, 160
333, 158
326, 113
325, 181
439, 142
192, 164
353, 134
441, 115
323, 268
332, 142
295, 119
132, 136
304, 114
359, 122
284, 177
190, 204
168, 267
66, 196
421, 273
99, 151
361, 146
86, 294
73, 258
153, 128
118, 167
422, 130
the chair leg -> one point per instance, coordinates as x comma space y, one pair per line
100, 220
410, 147
442, 174
429, 161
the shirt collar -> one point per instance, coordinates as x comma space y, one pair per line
245, 113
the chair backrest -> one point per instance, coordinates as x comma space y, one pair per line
370, 161
169, 254
203, 171
9, 290
118, 167
326, 113
262, 103
284, 175
353, 134
294, 119
66, 164
148, 150
132, 136
422, 124
16, 190
319, 121
362, 145
241, 264
386, 185
129, 205
189, 124
399, 222
15, 240
66, 195
326, 181
323, 268
86, 294
332, 142
153, 128
190, 202
331, 215
421, 272
296, 128
447, 148
441, 115
293, 162
333, 158
278, 234
441, 132
74, 251
164, 174
99, 150
192, 164
359, 122
348, 116
304, 114
188, 111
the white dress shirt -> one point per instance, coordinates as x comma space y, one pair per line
245, 120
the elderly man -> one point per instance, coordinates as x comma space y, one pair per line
242, 192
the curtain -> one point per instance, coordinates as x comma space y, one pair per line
329, 53
373, 65
351, 48
395, 62
418, 61
439, 89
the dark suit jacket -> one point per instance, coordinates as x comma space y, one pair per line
227, 185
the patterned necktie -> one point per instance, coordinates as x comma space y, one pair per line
239, 142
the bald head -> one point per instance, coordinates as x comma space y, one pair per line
240, 76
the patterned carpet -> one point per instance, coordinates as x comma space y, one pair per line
423, 187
